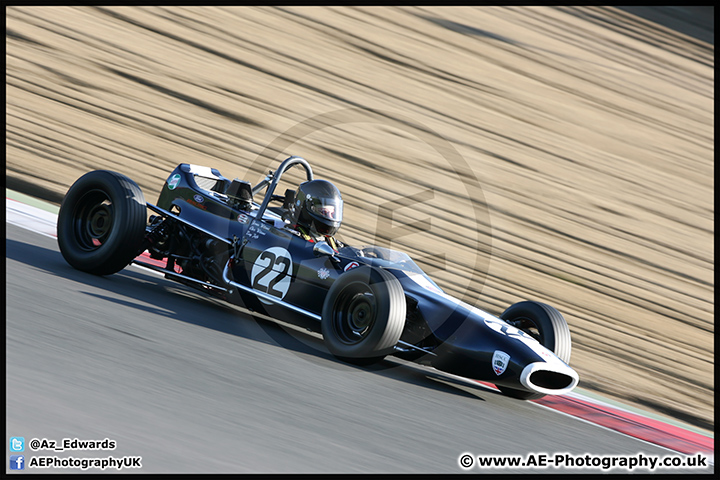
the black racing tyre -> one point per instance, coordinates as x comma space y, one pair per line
547, 326
363, 315
101, 223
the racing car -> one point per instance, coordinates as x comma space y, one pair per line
232, 240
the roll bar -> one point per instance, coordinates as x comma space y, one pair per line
274, 177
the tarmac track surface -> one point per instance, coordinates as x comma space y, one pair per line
194, 385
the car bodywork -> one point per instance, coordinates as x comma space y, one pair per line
209, 234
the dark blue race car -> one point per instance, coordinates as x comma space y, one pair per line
368, 302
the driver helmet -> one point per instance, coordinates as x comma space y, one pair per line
318, 207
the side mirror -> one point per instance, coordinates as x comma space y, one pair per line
323, 249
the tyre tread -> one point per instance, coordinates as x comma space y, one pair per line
130, 230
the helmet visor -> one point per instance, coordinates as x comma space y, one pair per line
327, 208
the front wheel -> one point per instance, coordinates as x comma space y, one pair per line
101, 223
363, 315
547, 326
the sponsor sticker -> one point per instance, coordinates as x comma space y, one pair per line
351, 265
196, 204
500, 361
323, 273
242, 218
199, 198
173, 181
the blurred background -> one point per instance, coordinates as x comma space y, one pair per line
556, 154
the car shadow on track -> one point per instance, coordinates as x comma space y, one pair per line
140, 289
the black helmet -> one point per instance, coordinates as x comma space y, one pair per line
318, 207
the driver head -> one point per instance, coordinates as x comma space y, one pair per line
318, 207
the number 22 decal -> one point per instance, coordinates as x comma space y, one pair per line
272, 271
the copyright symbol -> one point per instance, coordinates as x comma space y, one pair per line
34, 444
466, 460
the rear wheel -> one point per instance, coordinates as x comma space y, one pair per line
547, 326
101, 223
363, 315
